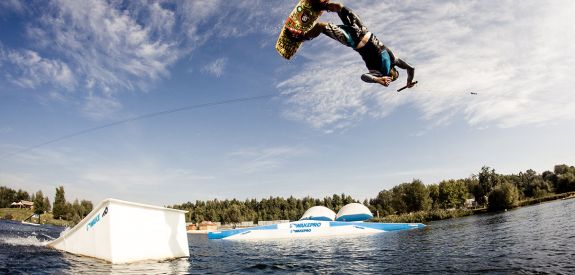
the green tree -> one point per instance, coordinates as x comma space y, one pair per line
7, 197
22, 195
59, 209
565, 178
503, 196
74, 212
411, 197
398, 194
417, 196
452, 193
86, 207
39, 206
382, 204
47, 205
488, 179
434, 195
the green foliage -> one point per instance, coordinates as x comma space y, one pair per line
410, 197
382, 204
488, 179
47, 205
7, 196
405, 202
272, 208
40, 206
425, 216
59, 209
22, 195
452, 194
417, 197
434, 195
564, 180
503, 196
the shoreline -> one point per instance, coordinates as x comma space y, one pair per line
443, 214
415, 217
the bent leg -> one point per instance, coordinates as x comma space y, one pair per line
339, 33
371, 77
349, 18
336, 32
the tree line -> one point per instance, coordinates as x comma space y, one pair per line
488, 189
61, 209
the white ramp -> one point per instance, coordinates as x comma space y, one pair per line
122, 232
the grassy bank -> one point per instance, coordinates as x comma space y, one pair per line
426, 216
547, 198
441, 214
21, 214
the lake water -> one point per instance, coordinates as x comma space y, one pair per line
535, 239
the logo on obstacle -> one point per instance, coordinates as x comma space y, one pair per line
93, 222
305, 225
96, 219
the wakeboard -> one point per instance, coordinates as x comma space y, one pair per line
302, 18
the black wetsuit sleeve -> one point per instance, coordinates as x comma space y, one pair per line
404, 65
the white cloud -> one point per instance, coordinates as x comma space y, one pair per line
517, 57
11, 6
255, 160
108, 45
100, 107
104, 48
30, 70
215, 68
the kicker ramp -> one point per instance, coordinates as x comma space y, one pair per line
122, 232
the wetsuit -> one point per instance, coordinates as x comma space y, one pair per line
379, 60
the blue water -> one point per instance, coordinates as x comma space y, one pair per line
535, 239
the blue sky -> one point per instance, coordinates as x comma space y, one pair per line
70, 65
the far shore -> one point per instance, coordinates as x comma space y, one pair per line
416, 217
442, 214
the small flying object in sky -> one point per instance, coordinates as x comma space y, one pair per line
473, 93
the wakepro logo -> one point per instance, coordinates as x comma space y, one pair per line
93, 222
96, 219
303, 227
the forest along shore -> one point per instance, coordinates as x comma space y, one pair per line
407, 202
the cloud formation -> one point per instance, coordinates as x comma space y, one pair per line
215, 68
30, 70
100, 49
257, 160
517, 57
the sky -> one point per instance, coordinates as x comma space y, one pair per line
69, 66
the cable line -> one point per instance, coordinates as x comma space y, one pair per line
140, 117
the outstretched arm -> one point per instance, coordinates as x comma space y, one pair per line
410, 70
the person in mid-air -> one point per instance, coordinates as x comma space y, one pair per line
379, 59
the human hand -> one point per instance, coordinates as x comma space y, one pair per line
384, 80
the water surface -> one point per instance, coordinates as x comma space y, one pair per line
535, 239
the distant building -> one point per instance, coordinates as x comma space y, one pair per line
22, 204
208, 226
245, 224
271, 222
470, 203
191, 227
